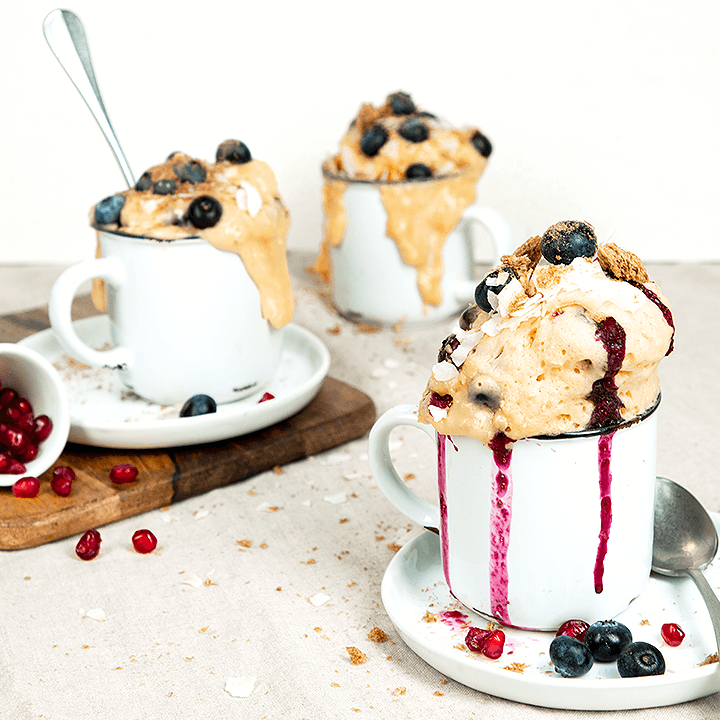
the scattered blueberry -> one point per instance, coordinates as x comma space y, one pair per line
233, 151
607, 639
640, 659
198, 405
107, 211
373, 139
145, 182
204, 211
468, 317
414, 130
164, 187
567, 240
481, 144
191, 172
493, 282
570, 657
418, 171
401, 103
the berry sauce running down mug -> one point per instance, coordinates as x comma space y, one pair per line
371, 280
537, 531
185, 319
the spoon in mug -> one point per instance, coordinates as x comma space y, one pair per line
686, 541
66, 37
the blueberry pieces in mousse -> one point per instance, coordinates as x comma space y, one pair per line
401, 148
233, 203
565, 335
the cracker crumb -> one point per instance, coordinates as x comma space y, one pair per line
377, 635
429, 617
365, 328
278, 470
244, 543
394, 546
439, 694
399, 691
334, 330
516, 667
709, 660
621, 264
357, 657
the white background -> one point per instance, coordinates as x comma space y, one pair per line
603, 111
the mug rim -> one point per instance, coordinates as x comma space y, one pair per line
121, 233
332, 175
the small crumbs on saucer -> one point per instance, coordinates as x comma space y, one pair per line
644, 622
429, 617
357, 657
709, 660
516, 667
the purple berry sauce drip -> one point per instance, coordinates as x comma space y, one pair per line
604, 457
662, 307
500, 518
442, 491
604, 391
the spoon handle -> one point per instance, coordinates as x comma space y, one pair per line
711, 600
66, 37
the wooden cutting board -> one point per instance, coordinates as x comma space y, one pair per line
339, 413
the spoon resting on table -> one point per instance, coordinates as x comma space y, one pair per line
66, 37
685, 541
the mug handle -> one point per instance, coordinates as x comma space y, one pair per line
386, 476
500, 235
60, 311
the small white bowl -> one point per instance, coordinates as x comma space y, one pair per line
34, 378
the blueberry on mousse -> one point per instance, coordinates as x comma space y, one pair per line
607, 639
570, 657
164, 187
373, 139
567, 240
204, 212
414, 130
107, 211
401, 103
481, 144
233, 151
640, 659
493, 283
418, 171
198, 405
191, 172
144, 183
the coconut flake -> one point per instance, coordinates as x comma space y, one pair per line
193, 581
254, 198
318, 599
240, 686
96, 614
437, 413
444, 371
336, 499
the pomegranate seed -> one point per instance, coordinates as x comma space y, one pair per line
5, 461
573, 628
266, 396
27, 487
24, 406
10, 414
26, 423
15, 467
144, 541
62, 480
43, 427
7, 396
489, 643
88, 546
29, 453
122, 474
672, 634
16, 440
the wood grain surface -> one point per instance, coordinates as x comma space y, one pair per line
339, 413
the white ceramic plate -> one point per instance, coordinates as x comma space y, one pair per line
413, 586
104, 413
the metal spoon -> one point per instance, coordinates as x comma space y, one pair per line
66, 37
685, 541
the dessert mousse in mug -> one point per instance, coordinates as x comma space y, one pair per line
192, 269
542, 405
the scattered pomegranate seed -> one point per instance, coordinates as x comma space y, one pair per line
672, 634
88, 546
144, 541
489, 643
27, 487
62, 480
266, 396
122, 474
573, 628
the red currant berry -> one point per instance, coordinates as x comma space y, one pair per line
144, 541
88, 546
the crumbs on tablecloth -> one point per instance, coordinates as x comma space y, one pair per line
377, 635
357, 657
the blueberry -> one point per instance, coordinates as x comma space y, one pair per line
173, 154
449, 345
567, 240
640, 659
373, 139
233, 151
144, 183
204, 211
198, 405
493, 283
414, 130
607, 639
401, 103
468, 317
164, 187
418, 171
191, 172
570, 657
481, 144
107, 211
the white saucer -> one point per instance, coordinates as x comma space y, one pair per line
104, 413
413, 586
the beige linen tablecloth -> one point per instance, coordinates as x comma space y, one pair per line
267, 582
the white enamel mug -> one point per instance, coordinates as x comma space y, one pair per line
558, 528
185, 319
372, 283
